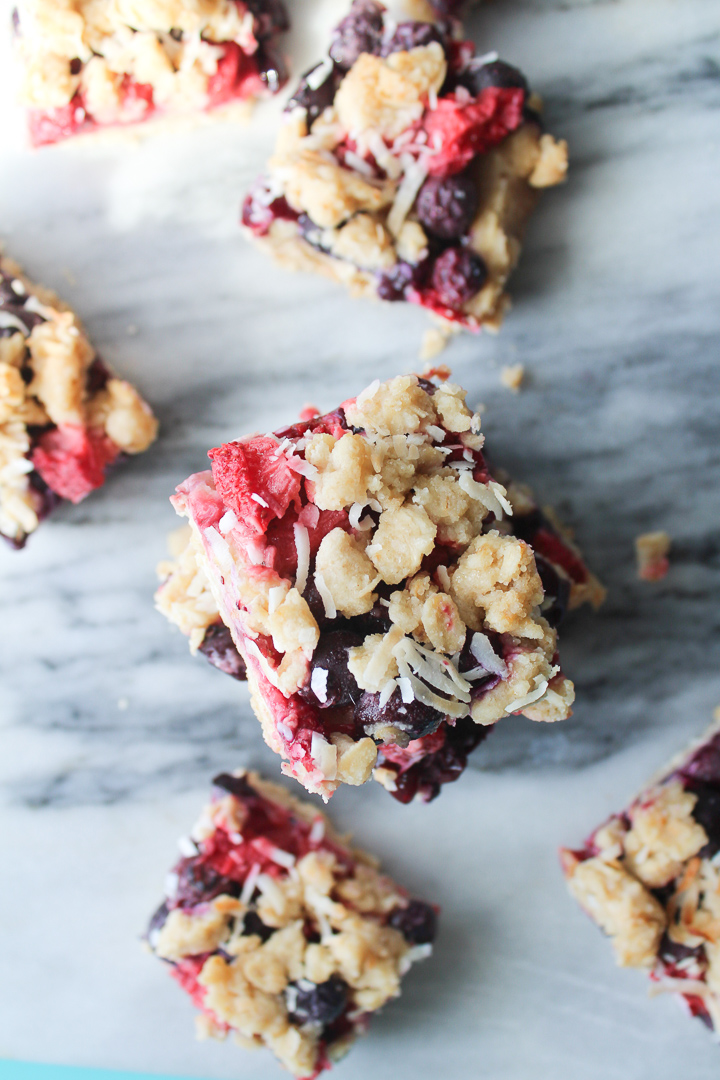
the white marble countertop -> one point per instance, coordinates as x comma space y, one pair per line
111, 731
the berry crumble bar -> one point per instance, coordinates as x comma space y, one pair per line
281, 932
64, 417
365, 569
650, 878
89, 64
406, 168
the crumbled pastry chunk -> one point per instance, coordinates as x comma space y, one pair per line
512, 376
652, 550
622, 907
287, 938
347, 572
663, 834
64, 418
496, 582
399, 139
650, 878
364, 566
88, 63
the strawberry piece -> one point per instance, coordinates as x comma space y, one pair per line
242, 470
460, 132
72, 460
48, 126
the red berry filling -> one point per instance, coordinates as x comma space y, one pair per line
72, 460
254, 482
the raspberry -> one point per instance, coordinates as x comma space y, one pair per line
50, 125
458, 274
72, 460
242, 470
460, 132
447, 206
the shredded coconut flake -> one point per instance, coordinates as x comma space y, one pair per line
412, 181
249, 884
325, 595
282, 858
406, 690
187, 847
227, 522
275, 598
486, 656
302, 546
319, 74
535, 695
435, 432
483, 493
369, 392
443, 577
324, 755
318, 684
317, 831
259, 499
387, 692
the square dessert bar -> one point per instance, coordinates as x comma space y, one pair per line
89, 64
364, 566
64, 417
650, 878
406, 169
281, 933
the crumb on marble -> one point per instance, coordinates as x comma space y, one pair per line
512, 376
652, 550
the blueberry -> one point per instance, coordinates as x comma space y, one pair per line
29, 319
235, 785
707, 813
199, 883
426, 777
414, 718
447, 207
673, 953
220, 650
318, 1003
497, 73
314, 99
410, 35
49, 499
331, 655
253, 924
392, 284
359, 32
271, 66
457, 276
417, 922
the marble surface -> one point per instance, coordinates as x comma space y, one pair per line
110, 731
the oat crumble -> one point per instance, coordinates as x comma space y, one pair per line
389, 598
406, 169
283, 934
64, 416
650, 878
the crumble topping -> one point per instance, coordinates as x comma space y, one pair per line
87, 62
282, 933
63, 416
406, 169
364, 564
650, 878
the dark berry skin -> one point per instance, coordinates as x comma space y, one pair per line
159, 918
411, 35
359, 32
314, 101
705, 763
220, 650
271, 17
417, 922
331, 655
457, 276
322, 1004
414, 718
447, 206
235, 785
444, 766
556, 589
498, 73
707, 813
253, 924
392, 284
198, 883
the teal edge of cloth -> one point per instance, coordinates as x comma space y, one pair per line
25, 1070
